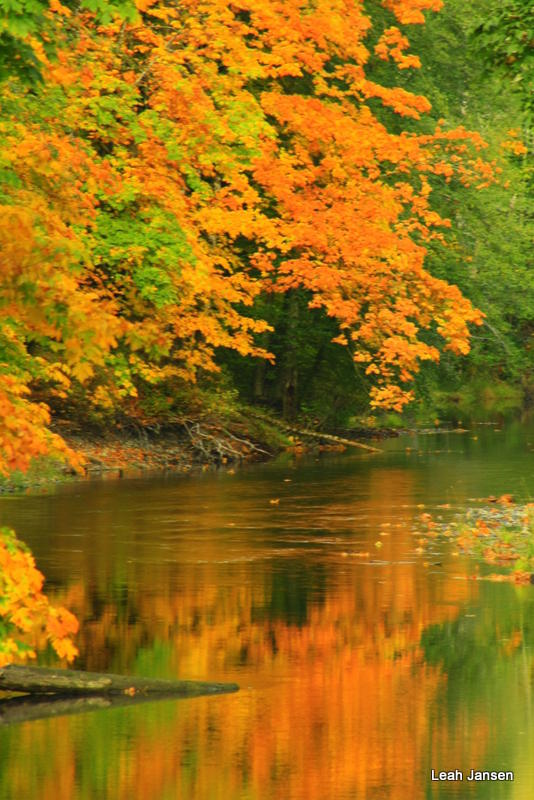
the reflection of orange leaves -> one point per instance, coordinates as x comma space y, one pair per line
355, 646
365, 661
513, 642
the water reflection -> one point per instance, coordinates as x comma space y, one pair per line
363, 663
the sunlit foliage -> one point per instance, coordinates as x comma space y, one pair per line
174, 165
27, 620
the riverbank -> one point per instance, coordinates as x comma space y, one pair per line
183, 446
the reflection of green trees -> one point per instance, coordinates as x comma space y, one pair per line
487, 655
478, 645
295, 585
84, 763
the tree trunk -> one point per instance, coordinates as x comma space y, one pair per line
259, 380
290, 368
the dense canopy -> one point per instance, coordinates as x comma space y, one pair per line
180, 182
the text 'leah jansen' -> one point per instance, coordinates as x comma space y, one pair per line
474, 775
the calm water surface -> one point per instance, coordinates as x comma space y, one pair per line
363, 662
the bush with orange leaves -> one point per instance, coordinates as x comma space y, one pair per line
27, 620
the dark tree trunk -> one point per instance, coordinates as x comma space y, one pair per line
290, 361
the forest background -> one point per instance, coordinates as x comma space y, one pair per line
321, 209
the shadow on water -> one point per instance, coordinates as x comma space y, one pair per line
37, 707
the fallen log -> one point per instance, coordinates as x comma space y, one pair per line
40, 680
329, 437
313, 434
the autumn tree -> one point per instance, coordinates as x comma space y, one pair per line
352, 199
172, 167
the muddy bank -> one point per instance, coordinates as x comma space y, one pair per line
178, 448
210, 444
182, 447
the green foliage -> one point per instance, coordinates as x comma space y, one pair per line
489, 252
22, 19
151, 240
329, 386
506, 38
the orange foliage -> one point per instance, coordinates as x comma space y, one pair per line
174, 167
29, 622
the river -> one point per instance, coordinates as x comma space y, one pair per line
366, 659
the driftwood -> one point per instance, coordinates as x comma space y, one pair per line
320, 435
214, 443
329, 437
68, 682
